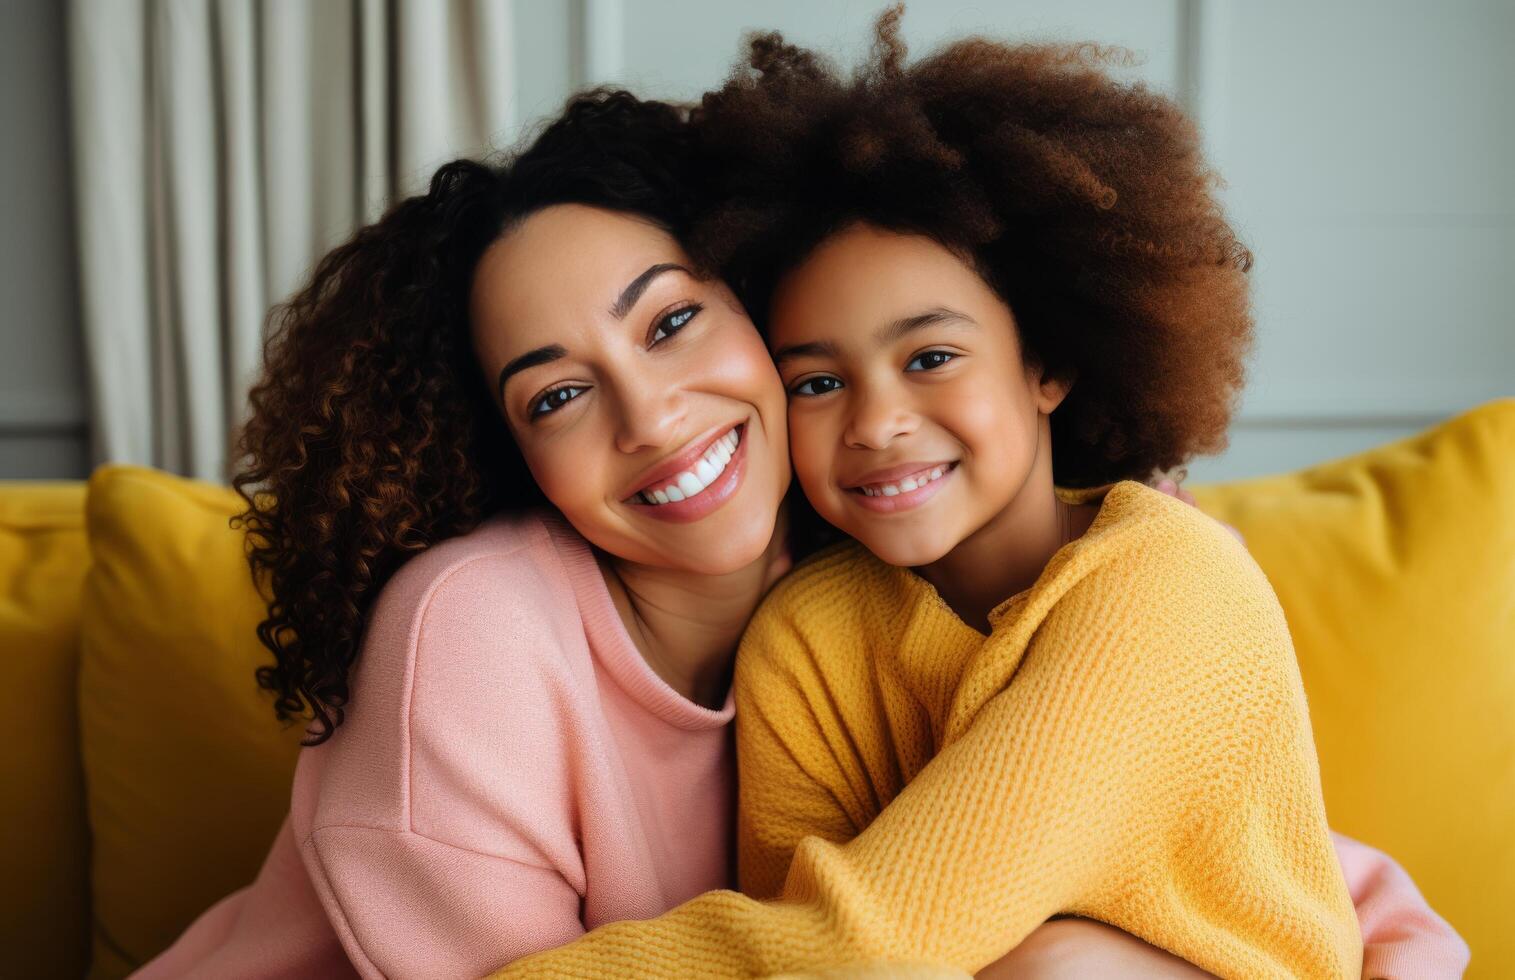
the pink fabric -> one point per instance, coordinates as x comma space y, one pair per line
1402, 939
510, 773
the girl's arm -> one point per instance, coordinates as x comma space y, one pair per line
1166, 779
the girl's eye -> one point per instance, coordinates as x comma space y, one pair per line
555, 399
674, 322
930, 359
818, 385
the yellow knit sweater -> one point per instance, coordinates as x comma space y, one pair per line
1130, 743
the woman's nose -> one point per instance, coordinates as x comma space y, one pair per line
878, 418
651, 414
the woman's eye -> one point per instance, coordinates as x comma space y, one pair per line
674, 322
930, 359
554, 400
818, 385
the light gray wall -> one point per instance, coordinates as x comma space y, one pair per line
1365, 145
42, 398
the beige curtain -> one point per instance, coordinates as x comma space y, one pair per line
221, 147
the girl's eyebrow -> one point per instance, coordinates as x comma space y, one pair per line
885, 335
935, 315
816, 348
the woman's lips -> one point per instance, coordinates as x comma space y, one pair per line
667, 471
692, 508
886, 503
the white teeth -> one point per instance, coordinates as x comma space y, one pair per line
705, 471
906, 485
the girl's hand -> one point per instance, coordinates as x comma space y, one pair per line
1072, 949
1172, 489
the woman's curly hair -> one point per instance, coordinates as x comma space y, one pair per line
1084, 203
373, 433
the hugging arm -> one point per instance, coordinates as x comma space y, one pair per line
1052, 799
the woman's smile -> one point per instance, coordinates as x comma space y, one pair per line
696, 481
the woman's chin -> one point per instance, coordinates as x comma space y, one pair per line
706, 547
729, 552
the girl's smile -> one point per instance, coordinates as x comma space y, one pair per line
915, 417
900, 488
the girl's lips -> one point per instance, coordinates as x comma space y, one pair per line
707, 500
905, 500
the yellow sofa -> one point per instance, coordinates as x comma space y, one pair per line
148, 775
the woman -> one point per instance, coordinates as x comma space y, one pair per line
535, 739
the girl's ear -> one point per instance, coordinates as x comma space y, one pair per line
1051, 391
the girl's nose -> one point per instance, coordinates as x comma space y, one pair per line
877, 420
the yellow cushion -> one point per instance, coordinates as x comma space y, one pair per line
188, 771
44, 843
1396, 571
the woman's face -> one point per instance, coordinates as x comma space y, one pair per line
642, 397
913, 420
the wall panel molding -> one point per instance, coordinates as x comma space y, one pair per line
600, 29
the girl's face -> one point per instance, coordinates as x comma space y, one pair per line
913, 419
642, 397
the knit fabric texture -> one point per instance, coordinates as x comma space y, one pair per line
1130, 743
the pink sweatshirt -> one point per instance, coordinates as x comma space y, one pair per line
512, 773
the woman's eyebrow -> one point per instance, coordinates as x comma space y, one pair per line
530, 359
638, 286
940, 314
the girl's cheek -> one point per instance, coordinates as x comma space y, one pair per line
810, 448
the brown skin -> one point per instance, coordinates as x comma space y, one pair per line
956, 391
638, 389
1074, 949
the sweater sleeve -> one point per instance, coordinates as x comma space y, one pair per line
407, 906
1403, 938
1151, 766
439, 822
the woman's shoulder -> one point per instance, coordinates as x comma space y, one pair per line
520, 539
494, 598
472, 660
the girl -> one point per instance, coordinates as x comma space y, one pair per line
1006, 700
